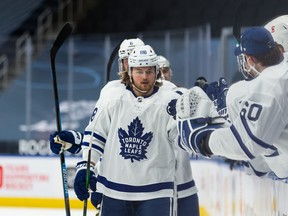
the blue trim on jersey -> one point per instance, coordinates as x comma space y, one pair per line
241, 143
96, 136
180, 143
257, 173
94, 147
254, 138
276, 153
134, 189
186, 185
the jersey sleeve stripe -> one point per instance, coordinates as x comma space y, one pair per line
240, 141
96, 147
254, 138
257, 173
96, 136
276, 153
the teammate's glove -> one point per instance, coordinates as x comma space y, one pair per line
80, 188
195, 133
96, 199
66, 140
197, 118
217, 92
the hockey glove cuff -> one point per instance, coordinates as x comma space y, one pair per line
66, 140
194, 135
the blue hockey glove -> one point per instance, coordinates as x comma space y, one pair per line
217, 92
96, 199
194, 135
66, 140
197, 118
80, 180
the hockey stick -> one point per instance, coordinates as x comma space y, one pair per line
61, 37
237, 20
111, 60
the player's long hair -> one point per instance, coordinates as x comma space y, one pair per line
125, 78
271, 58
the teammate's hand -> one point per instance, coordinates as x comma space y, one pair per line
197, 118
80, 180
65, 140
217, 92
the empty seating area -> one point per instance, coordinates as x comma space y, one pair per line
35, 20
14, 13
128, 15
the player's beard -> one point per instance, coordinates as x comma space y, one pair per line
144, 87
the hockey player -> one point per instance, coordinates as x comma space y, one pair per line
263, 165
124, 51
135, 134
259, 127
166, 72
186, 189
278, 29
164, 68
135, 152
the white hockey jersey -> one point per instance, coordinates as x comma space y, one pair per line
262, 164
261, 127
136, 138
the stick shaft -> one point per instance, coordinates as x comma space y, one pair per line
240, 13
58, 122
111, 60
63, 34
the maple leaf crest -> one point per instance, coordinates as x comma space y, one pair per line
134, 143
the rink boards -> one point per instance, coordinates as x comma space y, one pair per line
35, 181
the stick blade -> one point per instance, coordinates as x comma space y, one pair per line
63, 35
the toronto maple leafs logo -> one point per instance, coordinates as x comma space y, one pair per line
134, 143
